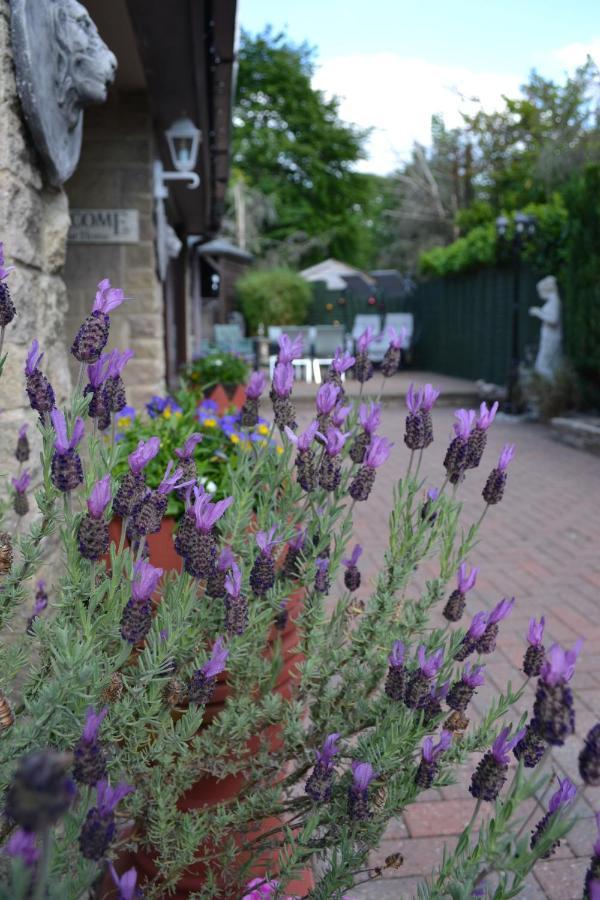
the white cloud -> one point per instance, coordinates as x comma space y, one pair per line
572, 55
398, 95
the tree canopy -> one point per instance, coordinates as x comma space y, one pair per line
291, 147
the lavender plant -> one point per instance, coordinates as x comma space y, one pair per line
138, 689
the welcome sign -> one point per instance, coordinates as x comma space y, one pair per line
104, 226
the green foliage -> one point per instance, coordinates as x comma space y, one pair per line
275, 297
581, 281
480, 247
216, 367
181, 416
292, 147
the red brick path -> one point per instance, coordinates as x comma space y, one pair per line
541, 545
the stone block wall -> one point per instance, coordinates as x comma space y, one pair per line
34, 221
115, 171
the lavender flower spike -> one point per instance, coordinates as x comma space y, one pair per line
429, 764
218, 659
93, 721
378, 452
535, 632
34, 357
466, 580
289, 350
145, 580
487, 642
267, 540
431, 752
117, 361
256, 385
397, 338
486, 416
322, 577
99, 498
327, 397
90, 758
503, 744
506, 456
464, 424
414, 399
283, 380
319, 786
354, 557
99, 828
62, 443
126, 884
565, 795
330, 472
329, 750
365, 339
369, 417
339, 415
536, 652
396, 657
304, 440
430, 665
107, 298
172, 482
560, 664
429, 397
22, 845
21, 483
141, 456
186, 452
358, 794
342, 361
233, 581
476, 630
473, 677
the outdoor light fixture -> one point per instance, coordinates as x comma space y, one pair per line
183, 139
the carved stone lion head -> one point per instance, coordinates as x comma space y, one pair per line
84, 65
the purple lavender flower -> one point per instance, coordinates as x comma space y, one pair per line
215, 585
99, 498
22, 451
432, 496
487, 642
289, 350
322, 583
187, 451
236, 605
39, 390
21, 485
204, 679
429, 764
553, 711
319, 786
330, 471
40, 791
418, 432
305, 458
455, 605
342, 361
531, 747
391, 359
90, 756
377, 454
490, 774
92, 336
366, 339
351, 573
339, 415
22, 845
198, 545
461, 692
429, 397
363, 367
476, 630
98, 830
256, 385
40, 604
589, 758
262, 574
281, 388
98, 408
283, 380
457, 458
369, 418
148, 515
92, 532
144, 452
493, 490
358, 793
293, 558
432, 705
7, 307
126, 884
565, 795
114, 389
418, 687
395, 684
137, 615
66, 468
478, 436
327, 397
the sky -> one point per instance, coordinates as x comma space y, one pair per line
395, 63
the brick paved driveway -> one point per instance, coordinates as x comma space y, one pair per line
541, 544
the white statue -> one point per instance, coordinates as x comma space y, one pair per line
548, 356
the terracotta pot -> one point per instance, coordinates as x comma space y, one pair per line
160, 545
209, 791
227, 396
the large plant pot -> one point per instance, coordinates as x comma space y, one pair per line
227, 396
210, 791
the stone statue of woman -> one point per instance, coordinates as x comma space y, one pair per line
548, 357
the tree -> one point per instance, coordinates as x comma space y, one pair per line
293, 149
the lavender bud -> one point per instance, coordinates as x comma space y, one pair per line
130, 494
136, 620
363, 367
262, 574
40, 792
455, 606
99, 828
358, 792
589, 758
322, 583
22, 451
7, 307
360, 446
90, 756
531, 747
92, 537
490, 774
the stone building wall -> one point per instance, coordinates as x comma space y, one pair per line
115, 172
34, 221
